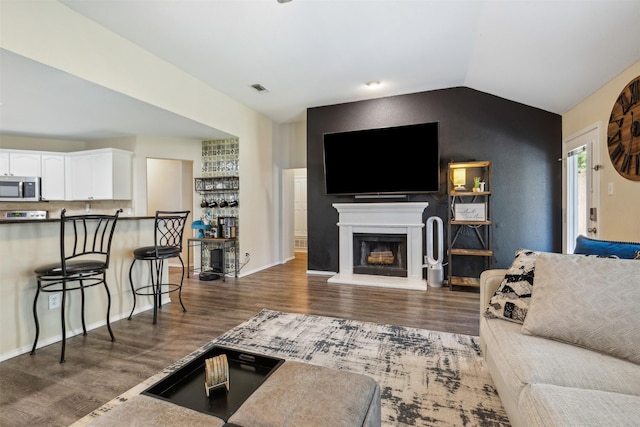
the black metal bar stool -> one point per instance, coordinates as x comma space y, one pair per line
167, 243
85, 246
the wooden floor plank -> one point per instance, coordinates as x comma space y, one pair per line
37, 390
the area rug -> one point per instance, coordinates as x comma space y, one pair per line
427, 378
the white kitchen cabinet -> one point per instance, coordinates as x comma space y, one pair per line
4, 162
53, 166
20, 163
103, 174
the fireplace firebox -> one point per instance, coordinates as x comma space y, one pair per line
380, 254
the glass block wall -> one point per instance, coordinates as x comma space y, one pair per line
221, 158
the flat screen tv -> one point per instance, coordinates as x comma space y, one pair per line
385, 161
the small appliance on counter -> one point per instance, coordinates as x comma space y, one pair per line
24, 215
201, 227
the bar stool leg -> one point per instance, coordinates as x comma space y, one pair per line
133, 290
184, 309
153, 270
159, 281
35, 317
84, 326
64, 326
106, 288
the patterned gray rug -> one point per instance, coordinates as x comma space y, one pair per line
426, 378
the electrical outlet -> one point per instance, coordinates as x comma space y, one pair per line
54, 301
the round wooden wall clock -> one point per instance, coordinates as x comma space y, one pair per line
623, 134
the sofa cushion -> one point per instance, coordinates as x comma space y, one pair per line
310, 395
587, 246
511, 299
524, 359
550, 405
587, 301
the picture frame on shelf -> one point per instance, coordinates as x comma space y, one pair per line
470, 212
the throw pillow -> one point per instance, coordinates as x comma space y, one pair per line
511, 299
587, 301
587, 246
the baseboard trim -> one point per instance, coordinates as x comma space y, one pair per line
321, 273
73, 332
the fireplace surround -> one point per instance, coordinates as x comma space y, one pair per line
402, 218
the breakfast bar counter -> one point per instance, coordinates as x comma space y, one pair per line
27, 244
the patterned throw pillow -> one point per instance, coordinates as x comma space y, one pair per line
511, 299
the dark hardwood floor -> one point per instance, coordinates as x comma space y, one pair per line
37, 390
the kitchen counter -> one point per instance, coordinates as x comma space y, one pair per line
57, 220
23, 249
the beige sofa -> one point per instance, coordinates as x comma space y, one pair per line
544, 379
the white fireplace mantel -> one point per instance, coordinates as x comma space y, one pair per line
381, 218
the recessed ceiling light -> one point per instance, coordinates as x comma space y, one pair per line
373, 83
259, 88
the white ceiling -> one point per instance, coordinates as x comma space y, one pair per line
546, 54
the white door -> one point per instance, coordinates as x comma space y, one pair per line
300, 211
581, 186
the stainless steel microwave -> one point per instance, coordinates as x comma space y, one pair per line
20, 189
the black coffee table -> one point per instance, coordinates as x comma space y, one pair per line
185, 387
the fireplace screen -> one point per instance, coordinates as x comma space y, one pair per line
380, 254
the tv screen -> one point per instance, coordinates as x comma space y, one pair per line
394, 160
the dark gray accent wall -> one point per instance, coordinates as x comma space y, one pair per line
523, 143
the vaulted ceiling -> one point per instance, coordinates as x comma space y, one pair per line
307, 53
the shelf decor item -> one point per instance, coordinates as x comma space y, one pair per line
459, 179
476, 184
470, 212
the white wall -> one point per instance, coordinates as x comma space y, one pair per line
164, 185
50, 33
619, 212
170, 188
40, 144
290, 145
290, 152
